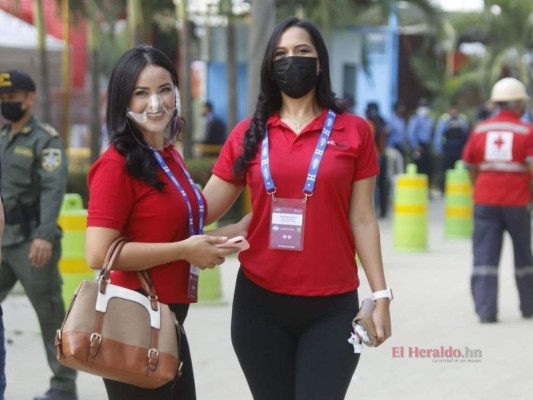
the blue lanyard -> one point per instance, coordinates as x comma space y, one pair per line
201, 211
313, 166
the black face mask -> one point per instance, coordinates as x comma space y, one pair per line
295, 76
12, 111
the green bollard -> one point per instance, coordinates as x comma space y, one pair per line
72, 265
410, 220
459, 221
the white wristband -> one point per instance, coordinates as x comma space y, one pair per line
381, 294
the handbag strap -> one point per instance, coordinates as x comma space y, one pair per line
148, 286
111, 256
143, 276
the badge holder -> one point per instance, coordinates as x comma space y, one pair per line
287, 224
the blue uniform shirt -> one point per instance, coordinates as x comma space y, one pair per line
396, 131
444, 123
419, 130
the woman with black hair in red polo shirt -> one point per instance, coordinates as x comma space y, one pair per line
311, 171
140, 189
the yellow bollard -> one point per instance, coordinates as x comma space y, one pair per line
209, 287
410, 220
72, 265
459, 221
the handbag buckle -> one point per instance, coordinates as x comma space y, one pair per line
94, 345
102, 284
153, 357
154, 301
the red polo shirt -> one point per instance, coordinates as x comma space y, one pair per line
327, 264
501, 147
143, 214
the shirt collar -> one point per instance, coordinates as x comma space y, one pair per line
25, 130
507, 114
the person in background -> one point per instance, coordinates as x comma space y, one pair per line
311, 171
34, 180
215, 129
485, 111
397, 129
419, 135
140, 188
380, 132
2, 328
499, 157
451, 134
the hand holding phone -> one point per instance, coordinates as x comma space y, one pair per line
238, 243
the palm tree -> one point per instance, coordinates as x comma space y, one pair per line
43, 61
326, 14
261, 25
505, 27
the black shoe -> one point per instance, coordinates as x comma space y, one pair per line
488, 320
56, 394
527, 316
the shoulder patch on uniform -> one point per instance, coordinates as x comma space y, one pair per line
51, 159
50, 129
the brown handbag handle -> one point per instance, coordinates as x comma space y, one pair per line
112, 249
143, 276
111, 256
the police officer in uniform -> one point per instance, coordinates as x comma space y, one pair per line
419, 135
450, 138
34, 175
499, 156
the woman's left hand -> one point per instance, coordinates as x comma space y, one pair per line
382, 320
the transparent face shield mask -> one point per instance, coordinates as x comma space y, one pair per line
157, 105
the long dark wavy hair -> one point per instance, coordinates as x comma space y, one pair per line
269, 100
140, 162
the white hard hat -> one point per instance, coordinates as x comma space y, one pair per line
508, 89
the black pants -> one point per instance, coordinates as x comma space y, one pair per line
293, 347
424, 162
182, 388
381, 194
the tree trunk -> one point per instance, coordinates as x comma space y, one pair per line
65, 11
263, 22
44, 89
231, 66
94, 59
135, 23
185, 77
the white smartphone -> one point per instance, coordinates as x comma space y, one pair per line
238, 242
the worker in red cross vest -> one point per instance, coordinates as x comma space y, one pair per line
499, 156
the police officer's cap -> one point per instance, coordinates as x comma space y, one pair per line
14, 80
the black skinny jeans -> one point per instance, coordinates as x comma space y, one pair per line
181, 388
293, 347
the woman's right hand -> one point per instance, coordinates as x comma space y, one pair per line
200, 251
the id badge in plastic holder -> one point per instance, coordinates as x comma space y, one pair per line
287, 224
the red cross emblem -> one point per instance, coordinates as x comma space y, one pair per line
499, 142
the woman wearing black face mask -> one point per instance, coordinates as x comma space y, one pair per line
311, 170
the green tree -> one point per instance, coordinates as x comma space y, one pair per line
505, 27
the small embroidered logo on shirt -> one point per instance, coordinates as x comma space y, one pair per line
338, 145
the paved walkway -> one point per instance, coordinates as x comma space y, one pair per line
432, 314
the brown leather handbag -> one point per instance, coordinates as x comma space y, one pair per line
118, 333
